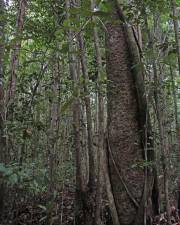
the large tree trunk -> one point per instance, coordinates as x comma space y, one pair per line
127, 119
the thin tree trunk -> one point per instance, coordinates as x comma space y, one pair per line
11, 88
2, 142
76, 105
176, 31
92, 174
54, 123
76, 122
177, 39
54, 113
16, 51
1, 78
161, 117
103, 177
100, 131
162, 122
174, 97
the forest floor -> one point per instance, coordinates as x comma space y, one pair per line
40, 210
44, 209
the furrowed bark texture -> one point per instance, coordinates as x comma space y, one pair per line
124, 132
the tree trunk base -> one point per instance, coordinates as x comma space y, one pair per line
85, 208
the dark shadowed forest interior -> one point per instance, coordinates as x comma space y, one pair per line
89, 112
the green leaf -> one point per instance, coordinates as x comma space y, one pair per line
67, 104
42, 207
2, 168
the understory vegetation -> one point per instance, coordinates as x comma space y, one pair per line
89, 112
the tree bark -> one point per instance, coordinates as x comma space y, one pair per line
176, 31
100, 126
2, 141
16, 51
127, 121
103, 174
177, 39
54, 123
76, 108
54, 111
160, 101
92, 175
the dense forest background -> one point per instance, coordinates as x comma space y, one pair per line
89, 112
